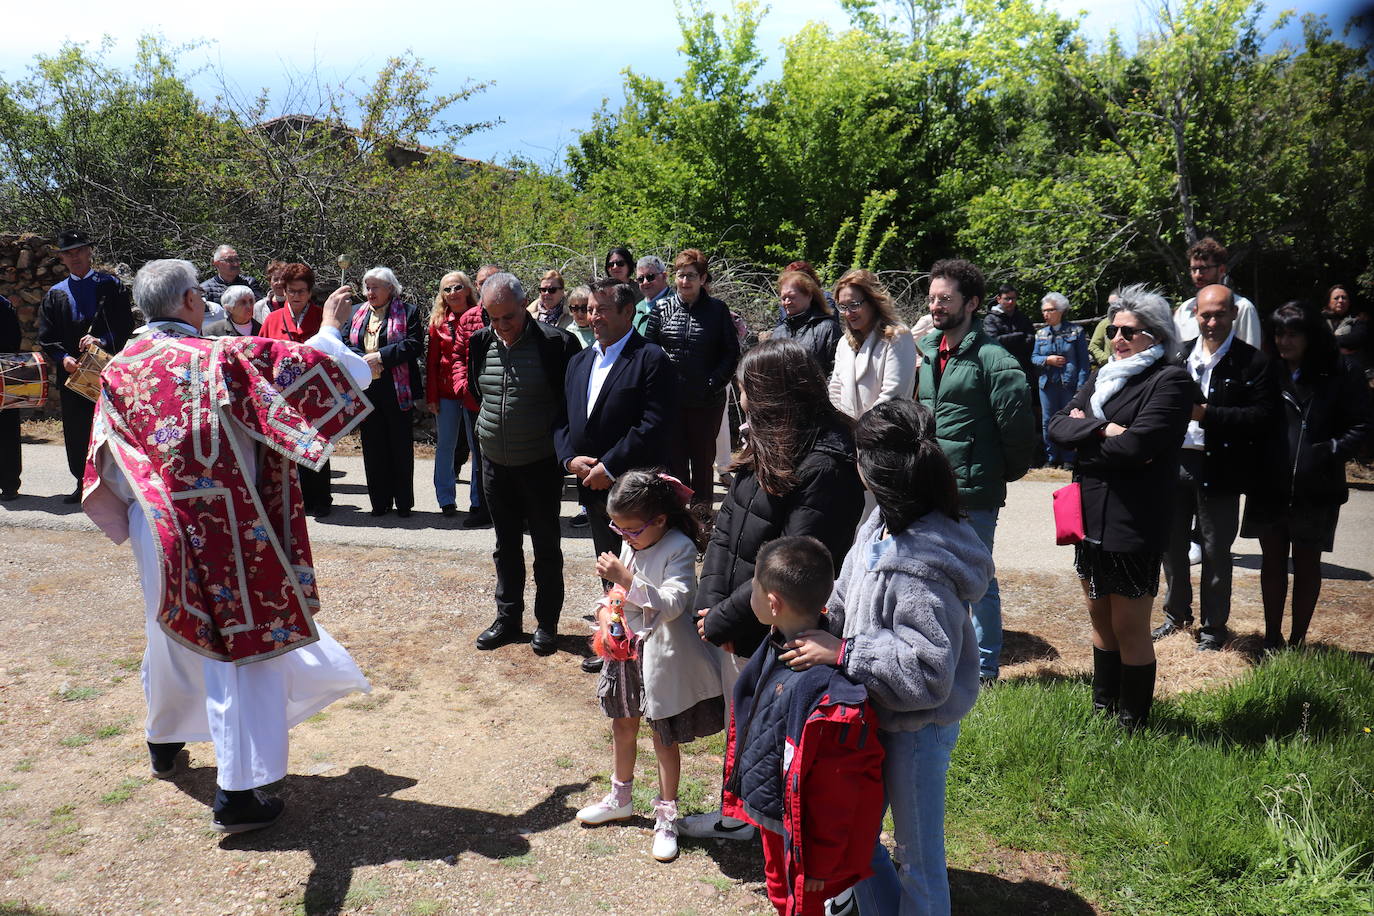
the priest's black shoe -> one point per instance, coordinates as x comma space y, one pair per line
545, 642
499, 633
163, 758
239, 812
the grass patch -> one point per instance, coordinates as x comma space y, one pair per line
110, 731
122, 792
365, 892
563, 763
8, 786
1251, 799
129, 663
371, 701
23, 766
71, 694
600, 848
425, 907
524, 860
76, 741
719, 882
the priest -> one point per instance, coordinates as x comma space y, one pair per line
193, 459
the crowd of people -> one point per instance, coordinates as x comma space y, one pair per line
843, 585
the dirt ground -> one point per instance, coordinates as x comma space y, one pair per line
452, 787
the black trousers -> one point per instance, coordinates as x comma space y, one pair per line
599, 523
517, 496
11, 456
316, 492
77, 415
692, 450
1218, 517
388, 451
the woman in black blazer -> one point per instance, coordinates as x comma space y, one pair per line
1127, 424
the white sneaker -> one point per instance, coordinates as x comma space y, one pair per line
714, 825
1194, 554
605, 811
665, 830
843, 904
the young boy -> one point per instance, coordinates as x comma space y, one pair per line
803, 761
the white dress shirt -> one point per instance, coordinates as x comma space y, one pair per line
601, 367
1200, 367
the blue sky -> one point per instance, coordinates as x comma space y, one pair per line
550, 63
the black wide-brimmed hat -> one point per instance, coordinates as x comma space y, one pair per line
68, 239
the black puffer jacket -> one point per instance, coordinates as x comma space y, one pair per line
825, 504
816, 331
701, 341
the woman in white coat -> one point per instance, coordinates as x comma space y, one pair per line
876, 362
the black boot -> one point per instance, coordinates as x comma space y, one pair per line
1137, 694
1106, 680
239, 812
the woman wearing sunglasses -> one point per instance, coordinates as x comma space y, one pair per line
452, 321
551, 307
1127, 425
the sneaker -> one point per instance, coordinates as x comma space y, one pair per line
665, 830
580, 520
713, 825
605, 811
1169, 628
448, 511
240, 812
1194, 554
842, 904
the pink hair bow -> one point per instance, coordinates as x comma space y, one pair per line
683, 491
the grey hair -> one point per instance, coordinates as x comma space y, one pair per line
651, 260
160, 286
579, 294
1057, 301
219, 252
1153, 312
230, 297
385, 275
503, 286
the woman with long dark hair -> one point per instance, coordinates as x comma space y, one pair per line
900, 627
1326, 418
795, 476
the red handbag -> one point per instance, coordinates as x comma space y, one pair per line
1068, 514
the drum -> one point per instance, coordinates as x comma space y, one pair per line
25, 380
85, 381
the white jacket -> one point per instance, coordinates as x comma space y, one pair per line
882, 369
680, 670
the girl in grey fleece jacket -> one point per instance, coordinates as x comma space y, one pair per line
900, 610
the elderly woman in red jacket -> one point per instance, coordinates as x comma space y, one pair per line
452, 320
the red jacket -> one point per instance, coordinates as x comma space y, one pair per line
830, 776
279, 326
446, 358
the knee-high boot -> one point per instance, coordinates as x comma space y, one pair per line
1137, 694
1106, 680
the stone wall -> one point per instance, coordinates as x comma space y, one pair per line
28, 266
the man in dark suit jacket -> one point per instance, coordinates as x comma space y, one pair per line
89, 307
620, 393
1237, 398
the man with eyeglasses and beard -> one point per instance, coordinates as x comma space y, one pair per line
983, 421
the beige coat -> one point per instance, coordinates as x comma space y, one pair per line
882, 369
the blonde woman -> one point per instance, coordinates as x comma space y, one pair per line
876, 361
452, 320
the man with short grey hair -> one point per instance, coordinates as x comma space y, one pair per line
206, 497
652, 278
516, 368
227, 262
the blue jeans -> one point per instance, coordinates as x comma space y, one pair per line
987, 611
1054, 398
914, 782
447, 425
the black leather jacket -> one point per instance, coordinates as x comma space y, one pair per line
816, 331
700, 340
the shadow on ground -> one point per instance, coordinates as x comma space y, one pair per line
974, 893
352, 820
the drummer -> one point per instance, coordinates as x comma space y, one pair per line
89, 307
11, 459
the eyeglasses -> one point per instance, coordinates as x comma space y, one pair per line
617, 263
646, 278
545, 290
629, 532
1127, 334
687, 275
453, 289
577, 308
850, 306
946, 300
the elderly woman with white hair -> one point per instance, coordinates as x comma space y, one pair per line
1061, 354
238, 321
389, 333
1127, 424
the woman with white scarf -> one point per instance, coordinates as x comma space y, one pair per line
1127, 424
